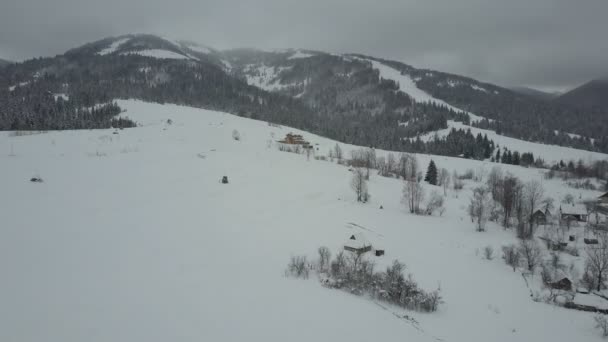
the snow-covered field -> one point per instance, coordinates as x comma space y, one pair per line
132, 237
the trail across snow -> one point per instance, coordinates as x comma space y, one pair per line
132, 237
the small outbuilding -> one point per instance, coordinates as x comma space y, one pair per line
562, 284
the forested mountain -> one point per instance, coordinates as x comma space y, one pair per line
344, 97
592, 95
4, 62
535, 93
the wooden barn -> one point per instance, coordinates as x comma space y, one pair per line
357, 243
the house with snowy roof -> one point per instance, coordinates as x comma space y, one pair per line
573, 213
603, 200
357, 243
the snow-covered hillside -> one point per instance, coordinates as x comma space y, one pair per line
408, 86
132, 237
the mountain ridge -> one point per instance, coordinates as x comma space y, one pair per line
342, 96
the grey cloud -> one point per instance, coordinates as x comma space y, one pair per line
543, 43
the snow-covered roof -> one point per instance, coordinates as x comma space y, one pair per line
574, 209
357, 241
604, 195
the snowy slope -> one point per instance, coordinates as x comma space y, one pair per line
157, 53
113, 46
131, 237
408, 86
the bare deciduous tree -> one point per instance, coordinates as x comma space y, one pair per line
337, 152
359, 184
495, 178
413, 194
324, 258
533, 193
531, 252
408, 166
597, 260
444, 180
297, 267
479, 208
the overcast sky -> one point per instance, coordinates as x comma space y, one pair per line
550, 44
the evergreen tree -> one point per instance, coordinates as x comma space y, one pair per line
431, 173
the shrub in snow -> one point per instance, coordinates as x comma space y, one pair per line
298, 267
435, 204
488, 252
601, 323
236, 135
354, 273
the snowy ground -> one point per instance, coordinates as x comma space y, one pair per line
131, 237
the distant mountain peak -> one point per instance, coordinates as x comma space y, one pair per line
593, 94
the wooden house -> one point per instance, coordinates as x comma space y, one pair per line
541, 216
357, 243
294, 139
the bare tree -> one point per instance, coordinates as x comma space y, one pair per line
324, 258
413, 194
508, 190
382, 167
359, 184
597, 260
391, 163
511, 256
337, 152
495, 178
444, 180
479, 208
408, 166
370, 160
533, 193
531, 252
